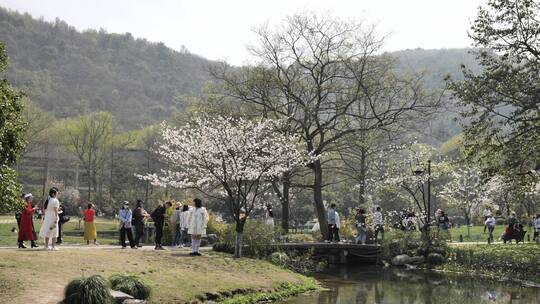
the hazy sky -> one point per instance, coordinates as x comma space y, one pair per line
221, 29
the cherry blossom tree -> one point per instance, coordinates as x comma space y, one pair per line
230, 159
466, 191
410, 173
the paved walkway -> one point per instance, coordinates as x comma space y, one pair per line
102, 247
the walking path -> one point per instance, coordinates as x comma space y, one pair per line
102, 247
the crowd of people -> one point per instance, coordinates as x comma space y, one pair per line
514, 230
334, 225
189, 223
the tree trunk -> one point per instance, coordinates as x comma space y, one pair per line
468, 221
362, 179
238, 241
285, 204
317, 197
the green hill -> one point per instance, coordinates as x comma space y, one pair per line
69, 72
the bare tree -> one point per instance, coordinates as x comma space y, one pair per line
89, 138
322, 75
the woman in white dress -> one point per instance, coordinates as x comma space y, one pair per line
197, 221
49, 226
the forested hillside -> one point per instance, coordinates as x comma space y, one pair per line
69, 72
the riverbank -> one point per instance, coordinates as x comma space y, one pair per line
175, 277
498, 261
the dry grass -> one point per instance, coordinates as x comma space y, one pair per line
175, 277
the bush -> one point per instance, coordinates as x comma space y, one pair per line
521, 261
216, 226
257, 238
301, 262
91, 290
131, 285
411, 243
434, 258
298, 238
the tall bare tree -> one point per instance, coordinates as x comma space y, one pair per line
322, 75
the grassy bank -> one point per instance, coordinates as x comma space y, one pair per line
508, 261
175, 277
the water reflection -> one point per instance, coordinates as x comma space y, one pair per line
375, 285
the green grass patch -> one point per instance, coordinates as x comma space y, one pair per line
173, 276
497, 260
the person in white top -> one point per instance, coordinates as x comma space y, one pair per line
487, 213
269, 218
184, 221
490, 223
315, 230
198, 219
378, 223
49, 226
537, 228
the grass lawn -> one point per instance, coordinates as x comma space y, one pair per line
521, 261
107, 231
477, 232
175, 277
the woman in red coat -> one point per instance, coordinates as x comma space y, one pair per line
26, 229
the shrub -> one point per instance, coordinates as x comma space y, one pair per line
257, 238
434, 258
298, 238
215, 225
411, 243
91, 290
131, 285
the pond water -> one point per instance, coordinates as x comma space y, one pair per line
377, 285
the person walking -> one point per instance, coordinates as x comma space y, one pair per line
26, 226
198, 219
490, 224
90, 233
333, 223
139, 216
444, 225
177, 218
125, 216
269, 216
361, 227
49, 226
487, 213
378, 222
158, 216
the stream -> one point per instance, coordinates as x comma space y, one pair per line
370, 284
